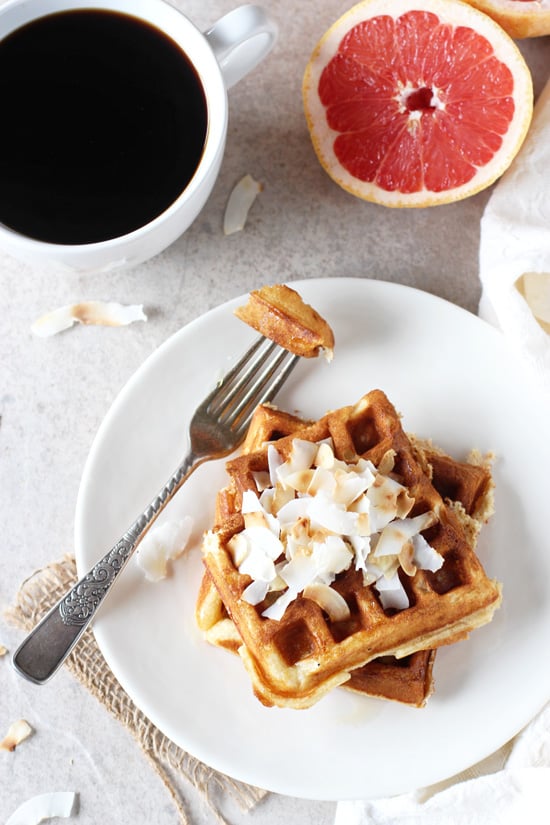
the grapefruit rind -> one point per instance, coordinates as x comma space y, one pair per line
519, 18
456, 13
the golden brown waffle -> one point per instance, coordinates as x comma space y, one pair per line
466, 485
294, 661
279, 313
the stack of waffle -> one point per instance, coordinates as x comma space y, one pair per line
351, 624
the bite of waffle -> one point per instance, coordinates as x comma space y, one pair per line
343, 552
279, 313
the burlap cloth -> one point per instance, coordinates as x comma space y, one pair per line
36, 596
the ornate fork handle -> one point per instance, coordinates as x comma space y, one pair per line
48, 645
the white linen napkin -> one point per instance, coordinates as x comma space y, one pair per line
510, 787
514, 251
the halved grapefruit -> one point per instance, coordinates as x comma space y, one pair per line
520, 18
416, 102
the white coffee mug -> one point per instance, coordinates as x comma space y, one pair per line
221, 56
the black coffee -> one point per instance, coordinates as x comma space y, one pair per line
103, 125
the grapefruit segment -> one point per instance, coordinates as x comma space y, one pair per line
417, 103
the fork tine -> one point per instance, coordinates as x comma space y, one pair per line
219, 423
263, 386
244, 422
237, 378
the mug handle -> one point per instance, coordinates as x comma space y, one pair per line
240, 40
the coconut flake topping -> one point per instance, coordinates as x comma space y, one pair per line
315, 516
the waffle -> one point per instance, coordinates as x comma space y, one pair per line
467, 486
279, 313
297, 659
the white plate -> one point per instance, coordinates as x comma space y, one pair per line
453, 379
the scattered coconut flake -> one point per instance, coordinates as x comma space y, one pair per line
293, 511
261, 480
240, 201
250, 503
325, 455
329, 600
255, 592
400, 531
327, 513
274, 461
333, 556
387, 462
300, 571
535, 288
3, 650
17, 733
383, 496
161, 545
406, 559
102, 313
258, 563
362, 548
238, 547
44, 806
277, 609
393, 595
425, 556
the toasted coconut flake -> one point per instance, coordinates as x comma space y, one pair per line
238, 206
535, 288
333, 556
361, 548
3, 650
258, 563
325, 455
392, 593
261, 480
44, 806
250, 503
329, 600
406, 559
17, 733
161, 545
109, 314
300, 571
326, 513
255, 592
383, 496
238, 547
274, 461
277, 609
404, 504
387, 462
292, 511
396, 535
425, 556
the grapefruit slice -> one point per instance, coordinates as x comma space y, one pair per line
417, 102
520, 18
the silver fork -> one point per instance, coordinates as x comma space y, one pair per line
217, 427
